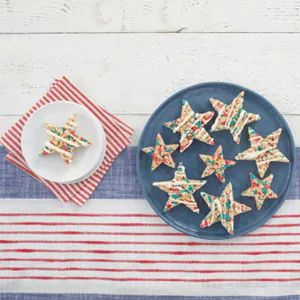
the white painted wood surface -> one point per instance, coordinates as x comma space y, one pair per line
122, 54
149, 16
133, 73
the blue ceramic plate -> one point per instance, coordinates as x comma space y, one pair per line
198, 97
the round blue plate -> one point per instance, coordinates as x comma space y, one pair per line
198, 97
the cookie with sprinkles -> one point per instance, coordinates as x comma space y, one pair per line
232, 117
263, 150
63, 140
216, 164
223, 209
161, 153
190, 125
180, 190
260, 190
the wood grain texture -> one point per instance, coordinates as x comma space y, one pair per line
134, 73
137, 122
150, 16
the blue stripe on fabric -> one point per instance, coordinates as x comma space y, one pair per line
120, 182
14, 296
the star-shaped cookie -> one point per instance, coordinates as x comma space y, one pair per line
232, 117
223, 209
260, 190
63, 140
181, 190
216, 164
161, 153
263, 150
190, 125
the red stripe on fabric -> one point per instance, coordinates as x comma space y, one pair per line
81, 195
77, 215
79, 95
86, 224
133, 233
10, 144
67, 81
16, 134
273, 234
289, 243
125, 127
93, 233
118, 270
59, 191
137, 279
56, 189
280, 225
122, 215
34, 108
179, 253
14, 141
44, 101
22, 121
151, 261
108, 126
117, 224
19, 127
14, 157
84, 191
287, 216
88, 186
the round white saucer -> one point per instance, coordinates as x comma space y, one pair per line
52, 167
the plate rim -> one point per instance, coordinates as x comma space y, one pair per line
170, 99
101, 128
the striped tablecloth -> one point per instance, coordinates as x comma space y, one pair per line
117, 135
117, 246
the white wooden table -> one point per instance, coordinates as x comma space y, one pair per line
130, 55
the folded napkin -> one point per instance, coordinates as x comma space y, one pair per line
118, 136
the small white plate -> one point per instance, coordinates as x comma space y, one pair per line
52, 167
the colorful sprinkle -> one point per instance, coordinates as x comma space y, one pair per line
260, 190
63, 140
161, 153
181, 190
263, 150
216, 164
232, 117
223, 209
190, 125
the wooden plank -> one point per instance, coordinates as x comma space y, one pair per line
134, 73
137, 122
150, 16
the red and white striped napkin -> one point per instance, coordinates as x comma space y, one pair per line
118, 136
